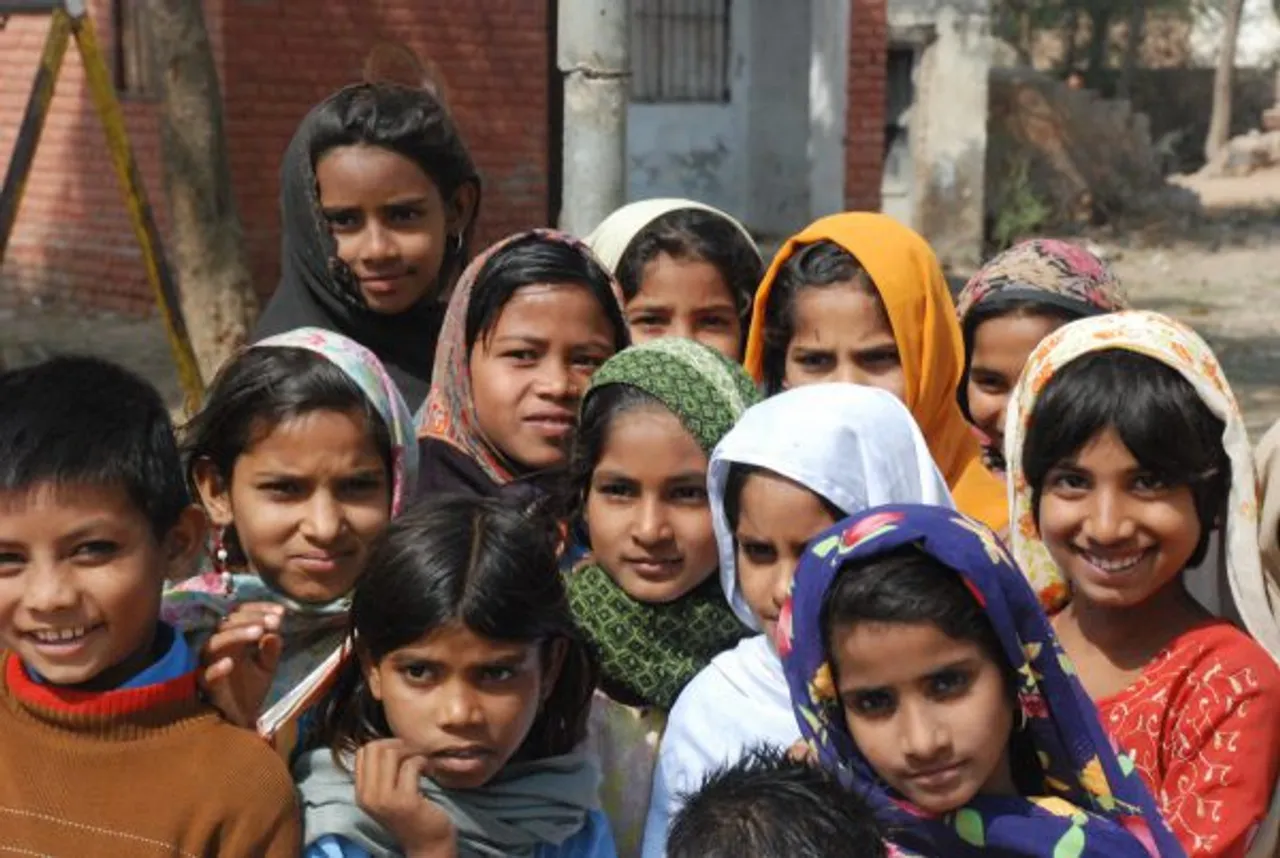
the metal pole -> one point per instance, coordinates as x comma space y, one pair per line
594, 57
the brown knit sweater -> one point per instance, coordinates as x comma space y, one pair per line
150, 772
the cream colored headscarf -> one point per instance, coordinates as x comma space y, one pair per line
1231, 581
1268, 462
610, 239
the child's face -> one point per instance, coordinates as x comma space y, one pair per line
390, 222
776, 520
529, 372
80, 579
931, 713
647, 511
1118, 534
689, 299
465, 702
842, 334
306, 500
1001, 347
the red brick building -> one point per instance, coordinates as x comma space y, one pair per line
73, 242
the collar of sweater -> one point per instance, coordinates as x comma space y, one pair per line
121, 715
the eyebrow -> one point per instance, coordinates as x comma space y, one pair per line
958, 664
688, 476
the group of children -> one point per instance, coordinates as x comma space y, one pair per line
634, 546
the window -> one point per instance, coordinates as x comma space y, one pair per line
135, 75
680, 51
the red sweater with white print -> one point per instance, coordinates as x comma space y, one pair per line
1202, 723
149, 772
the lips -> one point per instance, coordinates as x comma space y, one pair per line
555, 424
380, 285
1113, 564
320, 561
934, 779
655, 568
467, 760
62, 640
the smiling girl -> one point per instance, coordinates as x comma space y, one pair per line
301, 455
860, 298
378, 199
530, 322
457, 730
923, 672
1132, 482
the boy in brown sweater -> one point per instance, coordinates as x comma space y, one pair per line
106, 748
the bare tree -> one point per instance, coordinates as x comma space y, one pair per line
1220, 118
206, 239
1132, 46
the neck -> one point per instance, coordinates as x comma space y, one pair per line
1131, 635
118, 674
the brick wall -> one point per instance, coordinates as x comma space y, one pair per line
865, 111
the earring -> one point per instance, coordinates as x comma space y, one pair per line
1020, 722
453, 244
221, 557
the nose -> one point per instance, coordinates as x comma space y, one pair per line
556, 380
1108, 520
847, 372
925, 737
651, 525
460, 706
782, 576
379, 244
47, 589
682, 327
323, 520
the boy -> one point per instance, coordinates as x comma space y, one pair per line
106, 747
770, 805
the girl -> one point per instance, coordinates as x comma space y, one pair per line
530, 321
302, 453
1128, 456
792, 467
860, 298
1017, 299
648, 597
923, 672
457, 731
377, 203
686, 270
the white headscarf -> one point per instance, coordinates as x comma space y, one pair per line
857, 447
610, 239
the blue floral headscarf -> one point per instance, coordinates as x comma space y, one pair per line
1093, 803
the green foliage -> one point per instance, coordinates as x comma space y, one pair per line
1018, 210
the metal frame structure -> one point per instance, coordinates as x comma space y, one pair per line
70, 18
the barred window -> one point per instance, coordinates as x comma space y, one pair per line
680, 51
134, 73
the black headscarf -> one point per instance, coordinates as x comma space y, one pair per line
316, 287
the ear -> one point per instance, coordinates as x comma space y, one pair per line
184, 541
215, 493
554, 663
462, 208
372, 676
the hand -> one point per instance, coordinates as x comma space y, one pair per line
803, 752
387, 775
239, 661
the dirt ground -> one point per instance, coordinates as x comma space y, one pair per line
1220, 274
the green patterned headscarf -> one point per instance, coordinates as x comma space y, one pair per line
650, 652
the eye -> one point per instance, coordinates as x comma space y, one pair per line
1148, 483
1068, 482
96, 550
758, 553
404, 214
715, 323
617, 489
991, 383
949, 683
648, 320
689, 494
9, 561
361, 486
417, 671
521, 355
590, 361
875, 703
880, 360
283, 489
497, 673
343, 220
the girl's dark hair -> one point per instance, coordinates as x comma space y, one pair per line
1155, 411
817, 265
695, 235
255, 393
907, 585
599, 409
488, 565
538, 259
413, 122
737, 479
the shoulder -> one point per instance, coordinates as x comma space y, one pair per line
243, 767
1214, 672
594, 840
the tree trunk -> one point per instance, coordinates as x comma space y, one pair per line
1220, 118
1072, 30
1132, 47
1099, 37
206, 239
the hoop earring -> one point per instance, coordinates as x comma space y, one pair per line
453, 244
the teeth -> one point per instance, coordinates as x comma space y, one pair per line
1116, 565
60, 635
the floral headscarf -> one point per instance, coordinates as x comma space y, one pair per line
1044, 271
449, 414
1094, 802
312, 632
1231, 582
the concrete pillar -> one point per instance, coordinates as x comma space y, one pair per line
828, 82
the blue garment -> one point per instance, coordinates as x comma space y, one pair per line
178, 660
595, 840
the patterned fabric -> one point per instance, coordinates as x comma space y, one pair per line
651, 651
449, 413
706, 390
1232, 583
1094, 804
914, 292
1044, 271
311, 631
1268, 463
1202, 723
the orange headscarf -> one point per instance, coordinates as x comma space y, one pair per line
920, 310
